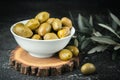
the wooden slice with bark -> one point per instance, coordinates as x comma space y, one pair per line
21, 61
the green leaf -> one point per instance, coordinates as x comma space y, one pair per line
115, 18
91, 21
76, 42
80, 23
71, 16
85, 43
87, 24
99, 19
98, 48
84, 25
118, 32
86, 31
114, 25
117, 47
104, 40
97, 34
109, 28
82, 39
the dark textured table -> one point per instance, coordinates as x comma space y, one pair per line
107, 69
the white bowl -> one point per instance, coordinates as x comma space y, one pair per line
41, 48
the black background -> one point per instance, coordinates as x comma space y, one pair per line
27, 7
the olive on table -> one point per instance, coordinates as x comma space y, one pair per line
88, 68
44, 28
37, 37
66, 22
21, 30
63, 32
42, 16
32, 24
73, 49
50, 36
56, 24
65, 54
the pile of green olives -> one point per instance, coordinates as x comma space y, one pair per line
43, 27
68, 52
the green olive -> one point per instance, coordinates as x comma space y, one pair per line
63, 32
56, 24
66, 22
44, 28
36, 30
50, 20
67, 28
50, 36
88, 68
65, 54
37, 37
32, 24
73, 49
21, 30
42, 16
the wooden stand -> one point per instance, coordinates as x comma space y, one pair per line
21, 61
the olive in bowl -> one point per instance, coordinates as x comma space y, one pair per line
41, 48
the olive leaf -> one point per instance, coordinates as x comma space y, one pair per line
115, 18
98, 48
80, 23
97, 33
99, 19
82, 39
117, 47
104, 40
118, 32
109, 28
91, 21
85, 43
114, 25
71, 16
84, 25
87, 24
76, 43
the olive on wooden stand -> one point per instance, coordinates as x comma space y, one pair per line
73, 49
65, 54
